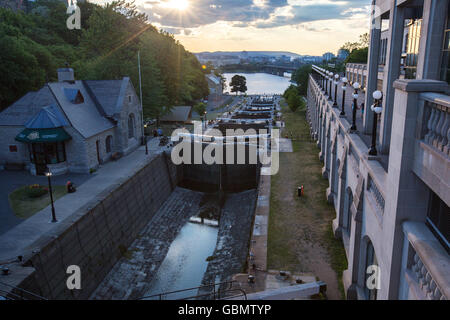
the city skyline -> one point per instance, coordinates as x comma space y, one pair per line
305, 27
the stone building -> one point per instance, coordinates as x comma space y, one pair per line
392, 205
70, 125
214, 83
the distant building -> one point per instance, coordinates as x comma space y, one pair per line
214, 83
70, 125
328, 56
342, 54
179, 114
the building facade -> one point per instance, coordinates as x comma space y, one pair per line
71, 125
392, 205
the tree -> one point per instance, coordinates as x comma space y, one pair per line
301, 77
292, 97
200, 108
358, 56
238, 84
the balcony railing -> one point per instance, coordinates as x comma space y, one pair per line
437, 119
428, 265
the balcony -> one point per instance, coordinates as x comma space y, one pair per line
426, 266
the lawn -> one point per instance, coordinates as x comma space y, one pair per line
300, 237
24, 207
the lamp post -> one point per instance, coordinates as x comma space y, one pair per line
344, 89
326, 82
49, 174
336, 79
356, 86
376, 108
331, 83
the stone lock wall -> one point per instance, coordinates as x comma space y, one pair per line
98, 235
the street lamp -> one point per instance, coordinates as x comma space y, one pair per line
336, 79
356, 86
326, 82
49, 174
344, 89
376, 108
331, 83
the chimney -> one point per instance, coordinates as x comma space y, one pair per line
66, 74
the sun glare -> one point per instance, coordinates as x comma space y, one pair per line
176, 4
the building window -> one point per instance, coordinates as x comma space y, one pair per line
371, 260
13, 148
445, 63
412, 48
438, 219
108, 144
131, 133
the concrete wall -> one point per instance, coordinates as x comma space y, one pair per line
97, 235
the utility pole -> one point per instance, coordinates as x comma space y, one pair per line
144, 138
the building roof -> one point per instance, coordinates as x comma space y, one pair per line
90, 107
178, 114
48, 117
213, 78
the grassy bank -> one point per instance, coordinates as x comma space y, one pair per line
300, 237
25, 206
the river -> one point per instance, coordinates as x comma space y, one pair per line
260, 83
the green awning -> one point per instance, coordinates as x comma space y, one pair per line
43, 135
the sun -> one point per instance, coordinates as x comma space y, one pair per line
176, 4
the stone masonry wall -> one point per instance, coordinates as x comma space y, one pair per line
96, 236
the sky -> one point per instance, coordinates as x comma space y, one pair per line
306, 27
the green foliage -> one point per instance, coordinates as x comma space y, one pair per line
358, 56
200, 108
293, 98
36, 191
34, 45
238, 84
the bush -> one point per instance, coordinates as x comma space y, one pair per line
36, 191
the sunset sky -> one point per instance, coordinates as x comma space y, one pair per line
308, 27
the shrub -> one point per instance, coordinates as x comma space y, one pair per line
36, 191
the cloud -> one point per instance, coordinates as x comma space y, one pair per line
256, 13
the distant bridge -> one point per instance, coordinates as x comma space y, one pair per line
278, 70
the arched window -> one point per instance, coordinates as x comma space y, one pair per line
131, 126
370, 285
108, 144
349, 212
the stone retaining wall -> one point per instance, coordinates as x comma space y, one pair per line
96, 236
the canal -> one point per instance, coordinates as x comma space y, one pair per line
260, 83
186, 262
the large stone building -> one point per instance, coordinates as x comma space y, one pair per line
70, 125
389, 172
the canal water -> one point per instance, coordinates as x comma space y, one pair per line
185, 263
260, 83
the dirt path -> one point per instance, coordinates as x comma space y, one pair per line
300, 236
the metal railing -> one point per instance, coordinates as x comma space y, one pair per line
216, 293
15, 293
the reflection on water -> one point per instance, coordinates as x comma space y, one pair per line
185, 262
260, 83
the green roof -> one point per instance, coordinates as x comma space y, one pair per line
43, 135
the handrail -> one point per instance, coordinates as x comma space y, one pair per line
22, 291
213, 285
437, 98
